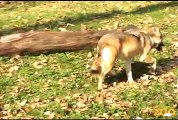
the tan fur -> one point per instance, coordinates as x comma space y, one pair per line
124, 46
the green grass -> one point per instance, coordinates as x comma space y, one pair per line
53, 87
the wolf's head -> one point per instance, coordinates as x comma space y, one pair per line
156, 38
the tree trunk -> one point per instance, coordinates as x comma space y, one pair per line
3, 3
48, 41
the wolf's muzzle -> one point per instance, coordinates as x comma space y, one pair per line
159, 46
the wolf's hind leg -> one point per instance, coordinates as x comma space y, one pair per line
105, 69
107, 63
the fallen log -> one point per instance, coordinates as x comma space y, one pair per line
47, 41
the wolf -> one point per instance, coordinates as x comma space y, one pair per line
125, 45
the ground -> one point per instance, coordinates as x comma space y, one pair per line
59, 85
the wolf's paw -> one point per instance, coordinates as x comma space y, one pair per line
131, 81
100, 87
152, 71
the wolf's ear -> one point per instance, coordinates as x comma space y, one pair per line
154, 30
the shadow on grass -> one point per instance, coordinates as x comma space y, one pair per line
55, 23
13, 5
155, 7
81, 18
49, 52
139, 68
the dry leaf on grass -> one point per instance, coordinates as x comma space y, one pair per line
40, 64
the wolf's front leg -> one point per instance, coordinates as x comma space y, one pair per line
128, 69
153, 61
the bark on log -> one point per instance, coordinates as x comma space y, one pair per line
46, 41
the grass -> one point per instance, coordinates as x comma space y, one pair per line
51, 91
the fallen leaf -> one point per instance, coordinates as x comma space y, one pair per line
64, 105
76, 95
109, 101
144, 77
19, 17
80, 104
37, 65
105, 115
68, 24
89, 55
62, 29
125, 104
14, 68
40, 64
51, 116
175, 43
87, 66
23, 102
139, 118
47, 112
